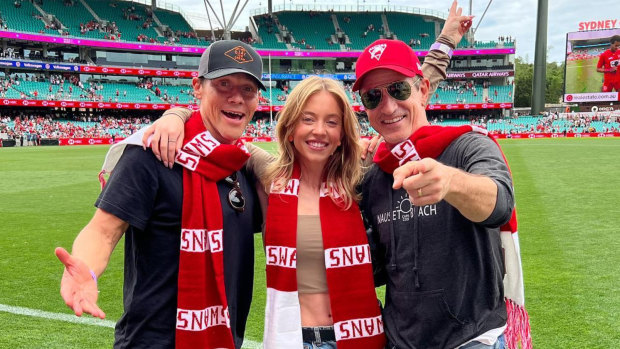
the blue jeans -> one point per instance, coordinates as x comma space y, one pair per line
500, 344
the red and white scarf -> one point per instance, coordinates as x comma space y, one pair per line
430, 142
202, 314
354, 306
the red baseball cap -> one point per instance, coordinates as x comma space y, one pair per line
387, 54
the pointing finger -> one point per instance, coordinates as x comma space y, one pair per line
407, 170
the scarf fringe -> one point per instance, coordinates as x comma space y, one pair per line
517, 326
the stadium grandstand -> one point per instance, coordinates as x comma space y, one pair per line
130, 59
31, 128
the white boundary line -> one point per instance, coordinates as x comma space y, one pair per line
56, 316
249, 344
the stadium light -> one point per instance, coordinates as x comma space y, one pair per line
226, 26
540, 59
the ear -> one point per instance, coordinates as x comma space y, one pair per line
290, 138
425, 87
198, 86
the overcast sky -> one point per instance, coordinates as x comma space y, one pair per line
504, 17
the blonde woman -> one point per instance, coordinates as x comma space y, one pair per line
319, 271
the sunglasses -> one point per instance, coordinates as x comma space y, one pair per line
400, 90
235, 196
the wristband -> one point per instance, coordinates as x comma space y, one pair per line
443, 48
92, 273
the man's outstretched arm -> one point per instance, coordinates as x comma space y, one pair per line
90, 253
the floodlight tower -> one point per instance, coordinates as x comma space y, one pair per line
470, 33
540, 59
226, 26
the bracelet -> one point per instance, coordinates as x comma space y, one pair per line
92, 273
443, 48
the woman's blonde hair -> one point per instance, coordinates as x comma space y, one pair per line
343, 169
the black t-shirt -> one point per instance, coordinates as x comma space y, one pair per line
149, 196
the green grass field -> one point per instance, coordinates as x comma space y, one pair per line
567, 191
582, 77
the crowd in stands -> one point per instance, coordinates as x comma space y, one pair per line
10, 52
34, 127
30, 129
173, 38
145, 19
269, 21
259, 128
548, 123
585, 53
69, 87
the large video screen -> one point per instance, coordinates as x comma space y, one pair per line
582, 81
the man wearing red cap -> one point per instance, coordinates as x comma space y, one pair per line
434, 200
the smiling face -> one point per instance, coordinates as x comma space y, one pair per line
227, 104
318, 131
396, 120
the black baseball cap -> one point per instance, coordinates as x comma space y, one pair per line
227, 57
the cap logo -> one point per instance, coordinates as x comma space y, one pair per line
376, 51
239, 54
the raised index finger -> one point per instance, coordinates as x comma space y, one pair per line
453, 8
404, 171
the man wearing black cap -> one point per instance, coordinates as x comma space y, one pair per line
186, 226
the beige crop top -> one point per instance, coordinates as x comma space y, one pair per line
310, 256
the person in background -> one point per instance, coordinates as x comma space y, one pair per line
608, 64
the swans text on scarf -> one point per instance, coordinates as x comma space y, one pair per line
200, 320
281, 256
291, 188
201, 145
358, 328
200, 240
347, 256
405, 151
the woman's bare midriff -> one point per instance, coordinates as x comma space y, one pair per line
315, 309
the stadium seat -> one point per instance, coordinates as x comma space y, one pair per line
270, 41
176, 22
113, 12
315, 29
185, 97
71, 17
407, 26
22, 19
358, 25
